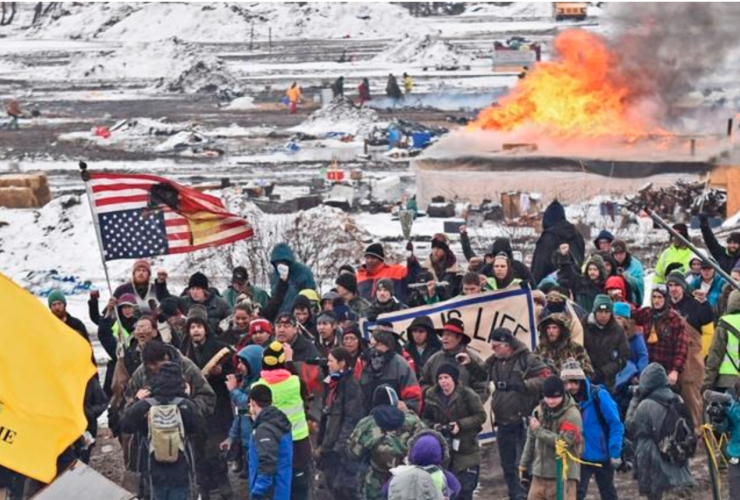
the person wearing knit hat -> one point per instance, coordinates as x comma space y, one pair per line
443, 266
572, 371
726, 256
676, 278
347, 291
344, 315
58, 306
375, 251
347, 269
385, 418
146, 291
455, 351
706, 285
199, 293
273, 357
260, 330
677, 254
451, 405
556, 419
328, 299
384, 301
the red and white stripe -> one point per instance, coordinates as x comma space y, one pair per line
117, 192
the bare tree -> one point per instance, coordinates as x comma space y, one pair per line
7, 11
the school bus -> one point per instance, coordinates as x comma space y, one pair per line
570, 10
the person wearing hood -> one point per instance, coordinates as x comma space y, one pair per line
241, 289
557, 417
503, 274
699, 321
422, 342
375, 269
289, 396
382, 439
348, 294
677, 254
584, 287
725, 256
603, 431
271, 456
629, 264
386, 367
555, 346
297, 276
605, 343
384, 301
147, 293
557, 301
429, 451
665, 334
517, 376
355, 343
199, 293
443, 266
328, 299
707, 286
213, 357
343, 409
248, 368
603, 242
455, 351
727, 423
648, 409
556, 230
723, 362
168, 480
457, 411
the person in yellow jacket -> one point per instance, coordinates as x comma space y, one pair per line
408, 84
287, 396
676, 253
723, 362
294, 95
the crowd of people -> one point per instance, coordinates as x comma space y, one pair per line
285, 387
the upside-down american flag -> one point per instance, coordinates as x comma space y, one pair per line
145, 215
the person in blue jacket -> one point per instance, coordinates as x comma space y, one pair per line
270, 448
249, 366
708, 284
727, 421
629, 263
603, 431
298, 276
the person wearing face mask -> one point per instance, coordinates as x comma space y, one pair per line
297, 276
214, 359
387, 367
557, 417
385, 302
343, 409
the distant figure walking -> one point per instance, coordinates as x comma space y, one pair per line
294, 95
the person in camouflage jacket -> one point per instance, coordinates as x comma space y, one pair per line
556, 347
381, 439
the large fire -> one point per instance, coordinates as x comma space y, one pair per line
578, 94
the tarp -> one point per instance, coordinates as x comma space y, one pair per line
44, 369
81, 482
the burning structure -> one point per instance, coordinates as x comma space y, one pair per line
600, 118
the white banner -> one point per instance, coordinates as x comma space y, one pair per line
481, 313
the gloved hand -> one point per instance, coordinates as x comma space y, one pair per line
703, 219
524, 477
616, 463
283, 270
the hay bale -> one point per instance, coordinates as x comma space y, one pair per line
17, 197
37, 183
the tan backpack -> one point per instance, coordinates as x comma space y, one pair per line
166, 430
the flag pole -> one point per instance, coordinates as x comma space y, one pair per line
85, 174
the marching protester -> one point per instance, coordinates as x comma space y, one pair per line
147, 293
727, 421
355, 344
375, 269
446, 273
629, 264
556, 346
707, 286
603, 431
455, 351
517, 376
58, 306
725, 256
603, 241
422, 342
382, 439
260, 331
556, 418
328, 334
723, 362
500, 245
342, 411
503, 273
584, 287
346, 284
556, 230
605, 342
199, 292
302, 312
457, 412
676, 255
241, 289
235, 329
657, 471
384, 301
286, 268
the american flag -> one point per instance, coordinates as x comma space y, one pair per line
145, 215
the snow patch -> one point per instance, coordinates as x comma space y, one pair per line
427, 50
340, 116
242, 103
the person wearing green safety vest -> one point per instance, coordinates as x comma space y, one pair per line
287, 397
723, 363
676, 253
503, 274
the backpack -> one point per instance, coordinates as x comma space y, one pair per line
675, 439
166, 430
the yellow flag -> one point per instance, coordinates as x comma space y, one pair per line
44, 369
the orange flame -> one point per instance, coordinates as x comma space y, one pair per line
579, 94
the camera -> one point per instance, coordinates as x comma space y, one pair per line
715, 412
502, 385
318, 361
